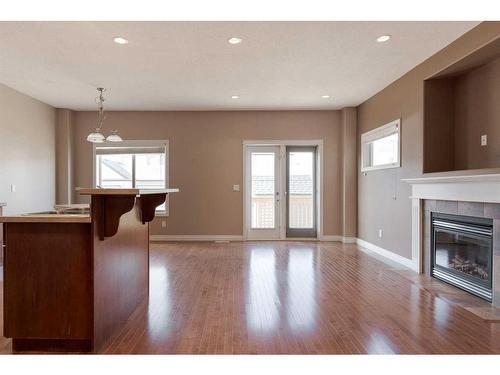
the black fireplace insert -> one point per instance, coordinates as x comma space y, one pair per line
461, 252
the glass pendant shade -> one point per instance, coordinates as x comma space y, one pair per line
114, 137
95, 137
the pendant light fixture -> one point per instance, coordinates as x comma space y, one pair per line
96, 136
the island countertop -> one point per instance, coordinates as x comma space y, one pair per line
104, 191
46, 218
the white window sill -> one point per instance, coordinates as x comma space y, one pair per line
379, 167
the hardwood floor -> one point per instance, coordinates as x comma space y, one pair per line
292, 297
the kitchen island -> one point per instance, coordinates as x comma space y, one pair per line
72, 280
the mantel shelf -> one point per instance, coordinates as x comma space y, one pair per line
470, 188
478, 178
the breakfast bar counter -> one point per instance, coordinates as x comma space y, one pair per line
72, 280
46, 218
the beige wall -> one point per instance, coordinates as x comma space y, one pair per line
206, 160
27, 147
349, 176
64, 156
439, 125
477, 112
382, 198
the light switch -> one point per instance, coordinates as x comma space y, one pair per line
380, 233
13, 188
236, 187
163, 224
484, 140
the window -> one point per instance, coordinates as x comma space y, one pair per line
132, 164
380, 148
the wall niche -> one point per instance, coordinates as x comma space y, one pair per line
461, 104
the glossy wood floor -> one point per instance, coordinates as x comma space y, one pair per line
291, 297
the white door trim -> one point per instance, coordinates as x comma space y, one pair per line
319, 178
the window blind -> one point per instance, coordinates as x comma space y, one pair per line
106, 150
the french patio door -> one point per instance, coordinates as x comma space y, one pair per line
300, 191
280, 192
263, 192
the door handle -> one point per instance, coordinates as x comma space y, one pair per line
277, 196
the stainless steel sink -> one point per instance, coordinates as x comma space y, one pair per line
65, 209
42, 213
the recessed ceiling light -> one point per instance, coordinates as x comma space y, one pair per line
383, 38
120, 40
235, 40
235, 97
325, 96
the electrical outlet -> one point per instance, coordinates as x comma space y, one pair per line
380, 233
13, 188
163, 223
236, 187
484, 140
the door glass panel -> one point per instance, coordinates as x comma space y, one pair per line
263, 190
300, 190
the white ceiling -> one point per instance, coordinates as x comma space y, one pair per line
191, 66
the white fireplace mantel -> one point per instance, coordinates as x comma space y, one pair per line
468, 188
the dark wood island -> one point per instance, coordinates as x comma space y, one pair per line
72, 280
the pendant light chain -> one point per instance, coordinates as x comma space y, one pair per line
100, 103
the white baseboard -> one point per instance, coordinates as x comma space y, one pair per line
336, 238
193, 237
202, 237
368, 247
364, 246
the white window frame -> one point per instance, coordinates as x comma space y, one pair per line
393, 127
138, 144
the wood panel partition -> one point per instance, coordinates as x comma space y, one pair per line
120, 264
48, 286
71, 281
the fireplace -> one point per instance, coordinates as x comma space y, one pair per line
461, 252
